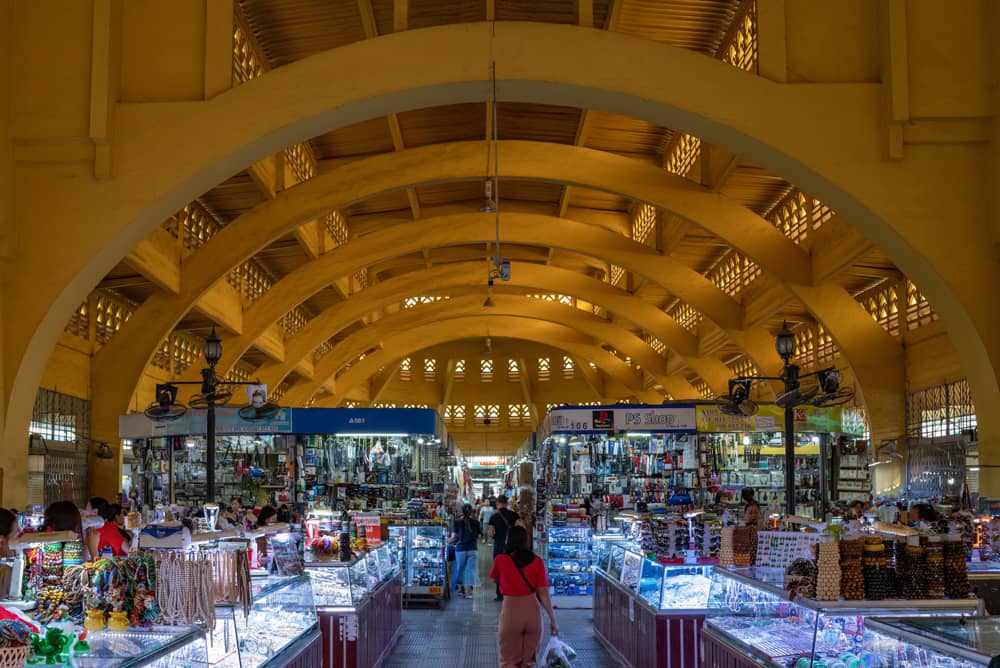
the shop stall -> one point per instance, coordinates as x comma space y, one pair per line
764, 628
332, 457
359, 604
748, 452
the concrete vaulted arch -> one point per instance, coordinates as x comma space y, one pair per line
401, 344
862, 341
824, 138
506, 306
526, 275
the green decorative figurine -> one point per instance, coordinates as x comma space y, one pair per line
51, 647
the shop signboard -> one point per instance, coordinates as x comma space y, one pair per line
623, 418
372, 527
381, 421
768, 417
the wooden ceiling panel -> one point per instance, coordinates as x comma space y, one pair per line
699, 25
532, 191
754, 187
597, 199
393, 201
699, 249
447, 193
623, 135
289, 30
537, 122
426, 13
371, 136
323, 300
233, 197
454, 122
550, 11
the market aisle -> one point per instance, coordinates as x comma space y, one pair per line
464, 634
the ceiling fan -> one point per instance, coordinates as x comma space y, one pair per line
738, 401
166, 407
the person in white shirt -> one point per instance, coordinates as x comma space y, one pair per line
485, 513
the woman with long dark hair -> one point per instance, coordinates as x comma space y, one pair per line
464, 536
521, 576
110, 536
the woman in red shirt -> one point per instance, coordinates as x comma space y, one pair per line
109, 535
524, 584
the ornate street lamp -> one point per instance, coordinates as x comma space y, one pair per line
214, 392
826, 392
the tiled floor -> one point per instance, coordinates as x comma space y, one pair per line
464, 634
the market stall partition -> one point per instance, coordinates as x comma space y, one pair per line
301, 456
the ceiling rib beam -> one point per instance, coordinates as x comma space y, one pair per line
400, 20
585, 16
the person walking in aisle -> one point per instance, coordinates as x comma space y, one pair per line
465, 535
522, 580
485, 515
501, 522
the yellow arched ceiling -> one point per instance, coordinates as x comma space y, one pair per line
825, 138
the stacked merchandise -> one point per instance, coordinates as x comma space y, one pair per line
956, 576
727, 557
744, 546
934, 559
912, 572
827, 571
875, 570
565, 514
852, 583
706, 532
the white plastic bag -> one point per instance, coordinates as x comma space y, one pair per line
558, 654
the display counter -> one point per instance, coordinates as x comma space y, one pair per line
767, 626
926, 642
420, 551
359, 604
158, 647
651, 614
568, 560
984, 577
281, 628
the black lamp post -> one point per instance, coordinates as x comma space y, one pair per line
209, 383
214, 392
784, 343
827, 392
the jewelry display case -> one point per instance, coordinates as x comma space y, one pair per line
651, 614
281, 628
359, 604
767, 626
157, 647
933, 642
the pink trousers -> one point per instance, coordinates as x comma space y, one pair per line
520, 631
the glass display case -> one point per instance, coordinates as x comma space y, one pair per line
282, 619
426, 568
663, 586
925, 642
568, 561
768, 628
338, 584
159, 647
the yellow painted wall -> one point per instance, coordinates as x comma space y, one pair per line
162, 65
817, 30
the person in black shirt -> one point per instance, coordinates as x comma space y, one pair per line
501, 523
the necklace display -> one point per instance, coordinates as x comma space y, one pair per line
190, 585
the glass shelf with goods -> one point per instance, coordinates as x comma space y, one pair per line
281, 626
568, 560
929, 642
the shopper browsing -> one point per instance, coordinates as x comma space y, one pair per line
485, 515
521, 578
465, 533
501, 522
110, 538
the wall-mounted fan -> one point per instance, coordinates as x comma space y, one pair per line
738, 402
166, 407
259, 406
